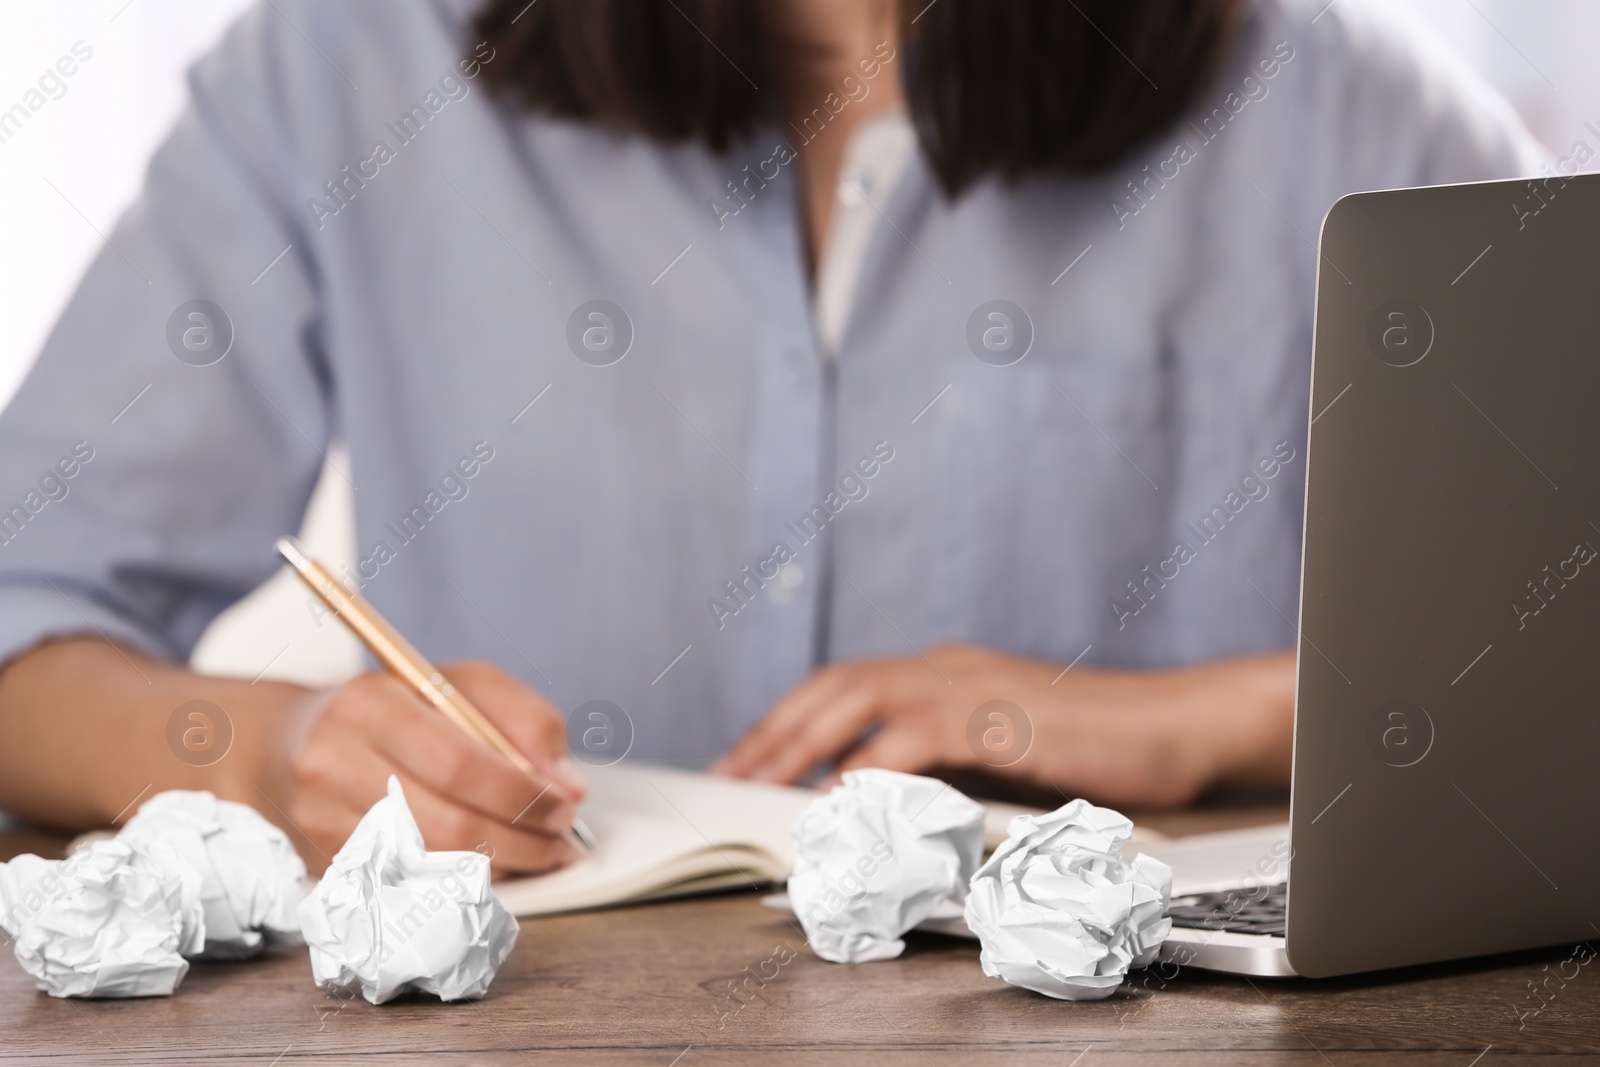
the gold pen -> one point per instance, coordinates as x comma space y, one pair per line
398, 655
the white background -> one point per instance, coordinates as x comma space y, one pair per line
78, 162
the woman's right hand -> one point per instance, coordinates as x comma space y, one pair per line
464, 794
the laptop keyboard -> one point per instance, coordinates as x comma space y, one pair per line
1237, 911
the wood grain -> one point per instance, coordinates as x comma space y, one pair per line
656, 985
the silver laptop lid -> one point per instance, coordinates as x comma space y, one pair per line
1446, 801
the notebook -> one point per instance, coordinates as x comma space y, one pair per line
665, 832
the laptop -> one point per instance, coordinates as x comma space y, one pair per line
1447, 720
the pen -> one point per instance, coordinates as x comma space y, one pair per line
404, 661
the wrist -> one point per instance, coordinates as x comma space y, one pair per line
1249, 721
269, 722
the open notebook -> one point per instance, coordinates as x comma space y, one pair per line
667, 833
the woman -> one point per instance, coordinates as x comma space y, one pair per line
846, 383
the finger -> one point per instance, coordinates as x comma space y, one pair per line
326, 808
835, 725
791, 710
906, 744
529, 721
877, 691
320, 828
424, 745
447, 826
337, 776
336, 781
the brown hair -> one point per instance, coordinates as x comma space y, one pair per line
1017, 87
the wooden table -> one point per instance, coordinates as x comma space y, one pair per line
652, 985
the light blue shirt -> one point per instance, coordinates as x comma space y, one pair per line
600, 495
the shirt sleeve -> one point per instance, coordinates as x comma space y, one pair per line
1398, 107
176, 419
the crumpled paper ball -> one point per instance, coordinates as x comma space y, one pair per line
876, 856
1061, 912
113, 920
389, 917
251, 878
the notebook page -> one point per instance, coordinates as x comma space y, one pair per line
659, 828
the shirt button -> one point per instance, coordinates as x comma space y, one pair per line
790, 578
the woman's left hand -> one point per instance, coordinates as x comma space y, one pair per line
1135, 738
